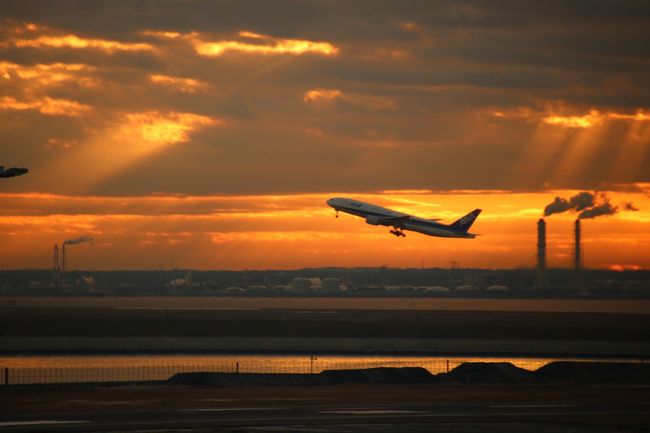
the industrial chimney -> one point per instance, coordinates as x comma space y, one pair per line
541, 245
577, 251
55, 264
63, 259
541, 253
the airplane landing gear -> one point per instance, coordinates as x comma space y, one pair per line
337, 214
398, 232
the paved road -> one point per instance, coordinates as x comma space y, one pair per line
462, 409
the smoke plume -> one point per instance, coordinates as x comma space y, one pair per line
604, 209
587, 205
559, 205
582, 201
629, 206
79, 240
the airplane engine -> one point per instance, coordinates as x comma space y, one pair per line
373, 220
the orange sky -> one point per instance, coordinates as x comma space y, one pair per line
202, 136
295, 231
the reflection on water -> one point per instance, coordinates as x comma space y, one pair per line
67, 369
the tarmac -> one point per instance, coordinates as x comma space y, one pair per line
460, 333
461, 408
553, 407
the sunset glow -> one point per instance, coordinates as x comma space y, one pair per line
586, 121
212, 136
42, 37
296, 231
42, 74
269, 45
188, 85
594, 118
47, 105
318, 95
161, 128
73, 41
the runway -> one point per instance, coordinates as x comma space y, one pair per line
458, 408
345, 419
110, 330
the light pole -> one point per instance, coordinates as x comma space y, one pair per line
312, 358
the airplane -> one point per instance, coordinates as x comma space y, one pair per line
12, 172
376, 215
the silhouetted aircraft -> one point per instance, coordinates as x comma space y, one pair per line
12, 172
376, 215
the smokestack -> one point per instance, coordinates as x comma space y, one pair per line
75, 241
63, 259
541, 253
541, 245
55, 263
577, 251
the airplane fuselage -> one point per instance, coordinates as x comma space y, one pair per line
377, 215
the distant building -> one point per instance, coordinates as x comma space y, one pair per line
329, 285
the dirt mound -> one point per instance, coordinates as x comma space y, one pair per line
407, 375
382, 375
488, 372
595, 372
469, 372
243, 379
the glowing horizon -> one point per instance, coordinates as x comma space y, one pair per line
297, 231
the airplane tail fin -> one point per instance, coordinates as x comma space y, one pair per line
465, 222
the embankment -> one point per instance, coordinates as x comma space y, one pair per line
471, 372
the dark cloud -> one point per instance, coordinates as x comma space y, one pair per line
443, 67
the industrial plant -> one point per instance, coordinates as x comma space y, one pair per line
453, 281
541, 254
576, 261
59, 261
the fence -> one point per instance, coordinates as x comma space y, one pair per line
157, 371
143, 373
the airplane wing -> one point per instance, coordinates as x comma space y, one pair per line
394, 220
